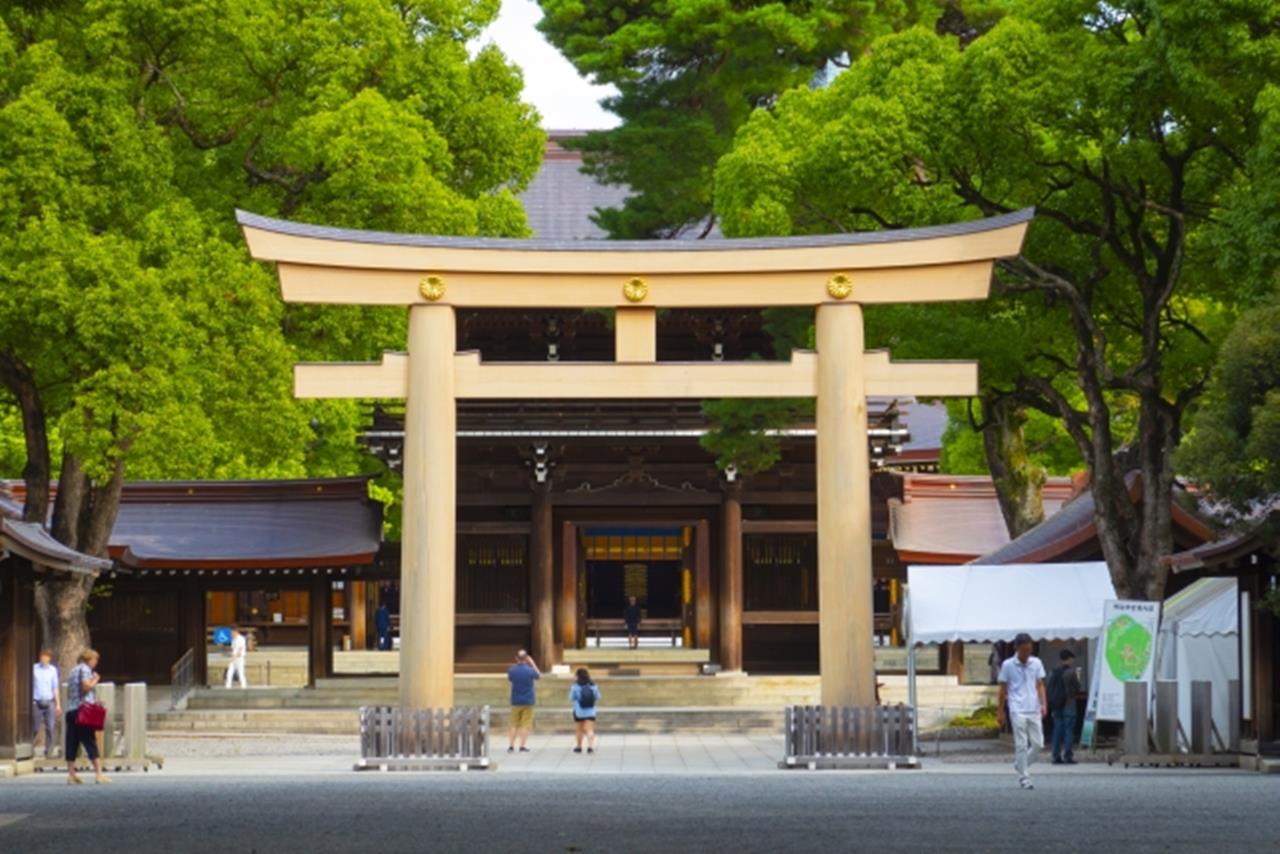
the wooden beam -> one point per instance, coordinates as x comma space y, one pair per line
319, 630
567, 601
361, 284
635, 380
636, 334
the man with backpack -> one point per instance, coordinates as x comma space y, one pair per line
1064, 685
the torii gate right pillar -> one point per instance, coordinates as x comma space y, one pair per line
845, 657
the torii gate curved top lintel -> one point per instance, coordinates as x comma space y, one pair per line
835, 274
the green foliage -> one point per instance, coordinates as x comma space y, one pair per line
744, 432
983, 716
129, 131
1138, 131
688, 74
1047, 443
1233, 449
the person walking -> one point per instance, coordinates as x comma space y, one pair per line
1023, 703
1063, 687
44, 696
584, 695
522, 676
631, 617
382, 622
239, 651
81, 683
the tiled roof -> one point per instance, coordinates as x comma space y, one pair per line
33, 542
561, 199
238, 524
955, 518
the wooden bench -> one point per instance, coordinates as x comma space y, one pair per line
649, 627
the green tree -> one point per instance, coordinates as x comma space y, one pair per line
1129, 126
135, 334
688, 74
1233, 448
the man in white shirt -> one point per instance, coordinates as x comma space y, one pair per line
1023, 700
44, 696
239, 648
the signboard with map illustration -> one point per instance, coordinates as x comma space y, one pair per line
1127, 652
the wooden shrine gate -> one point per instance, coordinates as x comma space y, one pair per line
434, 276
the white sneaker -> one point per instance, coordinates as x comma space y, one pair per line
1026, 783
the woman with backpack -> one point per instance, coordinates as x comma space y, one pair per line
584, 695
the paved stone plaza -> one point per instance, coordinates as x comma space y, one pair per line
639, 793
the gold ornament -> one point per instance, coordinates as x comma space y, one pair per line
635, 290
839, 286
431, 287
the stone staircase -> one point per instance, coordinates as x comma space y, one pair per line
723, 703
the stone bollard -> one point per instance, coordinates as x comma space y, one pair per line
106, 693
134, 721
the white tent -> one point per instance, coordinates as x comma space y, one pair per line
1199, 640
975, 602
972, 602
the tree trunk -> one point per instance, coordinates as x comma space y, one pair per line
1018, 480
84, 515
17, 377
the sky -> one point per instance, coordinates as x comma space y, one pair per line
565, 100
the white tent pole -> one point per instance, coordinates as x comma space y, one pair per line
911, 669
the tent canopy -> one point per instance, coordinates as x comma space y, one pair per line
973, 602
1207, 607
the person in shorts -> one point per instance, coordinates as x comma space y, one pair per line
522, 676
584, 695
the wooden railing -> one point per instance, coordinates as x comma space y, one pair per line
395, 738
598, 627
182, 679
847, 737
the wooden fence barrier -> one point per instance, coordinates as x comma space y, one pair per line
848, 737
392, 738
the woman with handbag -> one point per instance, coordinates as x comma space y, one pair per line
84, 716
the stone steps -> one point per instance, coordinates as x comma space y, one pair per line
346, 721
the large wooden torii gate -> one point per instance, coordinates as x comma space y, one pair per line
434, 276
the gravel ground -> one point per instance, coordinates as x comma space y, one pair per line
483, 812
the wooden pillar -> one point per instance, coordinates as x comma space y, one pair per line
731, 578
845, 615
704, 613
17, 634
319, 630
194, 620
427, 570
542, 594
357, 614
567, 604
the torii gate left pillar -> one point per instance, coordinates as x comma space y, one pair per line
432, 276
430, 471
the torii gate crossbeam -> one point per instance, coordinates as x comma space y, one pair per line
835, 274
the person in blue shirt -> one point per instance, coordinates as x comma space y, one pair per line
585, 696
44, 694
524, 697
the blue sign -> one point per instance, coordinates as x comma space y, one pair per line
222, 635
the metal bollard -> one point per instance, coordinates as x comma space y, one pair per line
1201, 716
1135, 719
1166, 734
135, 721
1233, 715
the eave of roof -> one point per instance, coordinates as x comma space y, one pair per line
385, 238
31, 541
